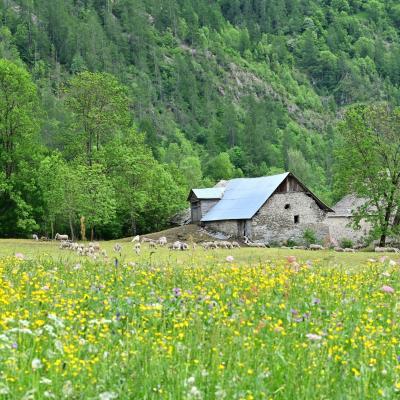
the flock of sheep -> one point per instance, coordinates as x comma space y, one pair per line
93, 249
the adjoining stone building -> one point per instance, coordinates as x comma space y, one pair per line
266, 209
340, 222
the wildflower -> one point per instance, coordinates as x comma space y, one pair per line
313, 336
19, 256
315, 301
45, 381
387, 289
14, 345
177, 292
229, 258
386, 274
68, 389
194, 393
36, 364
108, 396
291, 259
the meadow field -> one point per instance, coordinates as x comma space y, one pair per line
226, 324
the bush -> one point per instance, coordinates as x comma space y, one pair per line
291, 243
346, 243
309, 237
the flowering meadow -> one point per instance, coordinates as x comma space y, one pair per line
219, 330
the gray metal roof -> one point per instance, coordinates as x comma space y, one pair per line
243, 197
209, 193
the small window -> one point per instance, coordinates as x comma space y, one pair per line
287, 206
296, 219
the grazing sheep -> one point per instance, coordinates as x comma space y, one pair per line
162, 241
61, 237
35, 237
299, 247
235, 245
104, 253
183, 246
44, 238
146, 239
178, 246
153, 244
348, 250
137, 248
95, 246
386, 250
316, 247
210, 245
338, 249
136, 239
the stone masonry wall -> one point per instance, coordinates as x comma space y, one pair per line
274, 223
230, 228
339, 229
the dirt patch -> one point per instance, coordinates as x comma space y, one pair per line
187, 233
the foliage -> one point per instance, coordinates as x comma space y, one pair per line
346, 243
219, 90
309, 237
368, 165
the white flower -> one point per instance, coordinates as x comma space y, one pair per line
194, 393
108, 396
36, 364
49, 395
67, 389
4, 389
45, 381
313, 336
190, 381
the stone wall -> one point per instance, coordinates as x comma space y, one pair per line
275, 221
230, 228
339, 229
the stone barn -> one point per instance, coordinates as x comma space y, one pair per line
340, 222
266, 209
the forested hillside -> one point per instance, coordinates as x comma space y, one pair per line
112, 109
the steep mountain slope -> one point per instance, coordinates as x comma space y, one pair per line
221, 88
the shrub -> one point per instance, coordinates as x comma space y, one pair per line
346, 243
291, 243
309, 236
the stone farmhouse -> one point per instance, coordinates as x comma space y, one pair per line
270, 209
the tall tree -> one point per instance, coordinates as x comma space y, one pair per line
100, 106
368, 164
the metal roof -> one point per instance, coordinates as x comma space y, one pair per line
209, 193
243, 197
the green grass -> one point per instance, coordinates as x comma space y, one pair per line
176, 325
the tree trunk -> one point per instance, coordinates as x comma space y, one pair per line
52, 229
382, 242
71, 227
91, 234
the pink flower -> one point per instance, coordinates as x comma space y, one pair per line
313, 336
229, 258
291, 259
19, 256
383, 259
387, 289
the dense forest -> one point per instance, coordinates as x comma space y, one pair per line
110, 110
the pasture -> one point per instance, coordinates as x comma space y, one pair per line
197, 324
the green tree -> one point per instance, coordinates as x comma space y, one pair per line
100, 106
368, 165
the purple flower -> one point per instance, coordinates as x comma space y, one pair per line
177, 292
398, 358
229, 258
387, 289
294, 311
14, 345
315, 301
116, 262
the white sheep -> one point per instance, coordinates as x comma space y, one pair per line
162, 241
35, 237
61, 237
136, 239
